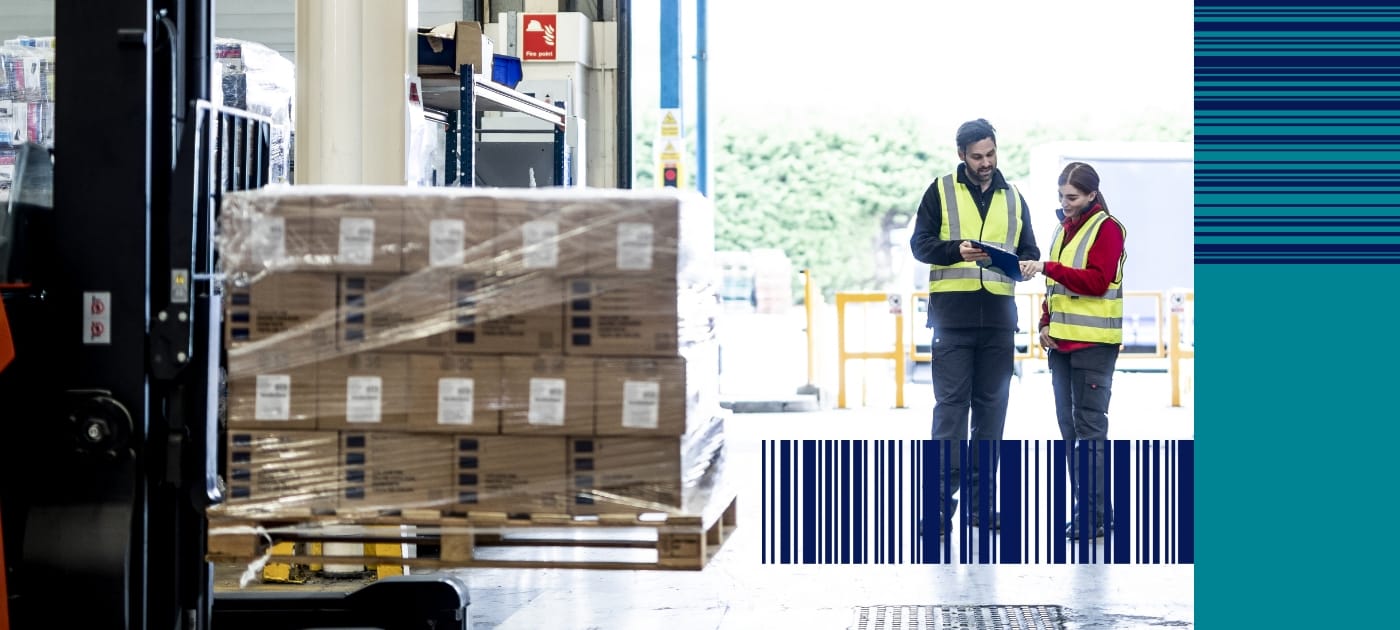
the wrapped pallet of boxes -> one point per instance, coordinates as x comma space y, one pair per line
481, 350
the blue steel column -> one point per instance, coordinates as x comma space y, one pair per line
466, 126
702, 101
670, 53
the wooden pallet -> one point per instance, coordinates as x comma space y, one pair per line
487, 539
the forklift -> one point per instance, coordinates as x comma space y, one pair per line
111, 358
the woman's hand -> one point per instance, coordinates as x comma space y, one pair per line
1029, 268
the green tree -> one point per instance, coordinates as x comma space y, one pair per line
820, 190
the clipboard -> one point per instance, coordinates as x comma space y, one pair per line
1005, 262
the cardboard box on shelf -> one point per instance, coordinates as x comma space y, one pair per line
279, 302
511, 473
466, 43
547, 394
283, 469
394, 471
365, 391
454, 393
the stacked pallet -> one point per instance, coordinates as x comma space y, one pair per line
469, 352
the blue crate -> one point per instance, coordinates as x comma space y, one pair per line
505, 70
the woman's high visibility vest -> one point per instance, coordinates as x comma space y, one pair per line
962, 222
1091, 318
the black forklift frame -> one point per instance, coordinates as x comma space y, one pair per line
121, 422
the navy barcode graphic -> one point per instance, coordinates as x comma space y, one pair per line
863, 501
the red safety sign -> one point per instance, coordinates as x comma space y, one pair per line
541, 39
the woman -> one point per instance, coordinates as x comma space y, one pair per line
1081, 328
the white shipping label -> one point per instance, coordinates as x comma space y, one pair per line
446, 241
641, 404
363, 398
635, 242
97, 318
269, 244
356, 242
547, 401
274, 397
541, 244
456, 398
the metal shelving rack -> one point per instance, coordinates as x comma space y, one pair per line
458, 100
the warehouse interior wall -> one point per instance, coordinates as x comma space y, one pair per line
268, 22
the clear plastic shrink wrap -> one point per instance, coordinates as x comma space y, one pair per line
466, 350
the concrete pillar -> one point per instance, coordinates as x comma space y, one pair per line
355, 59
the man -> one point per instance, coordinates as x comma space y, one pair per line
972, 311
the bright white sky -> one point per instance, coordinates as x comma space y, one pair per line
1011, 61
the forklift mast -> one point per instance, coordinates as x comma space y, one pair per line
110, 404
114, 388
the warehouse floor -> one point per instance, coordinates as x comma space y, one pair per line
737, 591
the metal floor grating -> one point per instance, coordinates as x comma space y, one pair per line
958, 618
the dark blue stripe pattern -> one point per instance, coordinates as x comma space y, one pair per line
861, 502
1297, 134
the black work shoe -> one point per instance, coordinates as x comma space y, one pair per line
947, 519
1073, 532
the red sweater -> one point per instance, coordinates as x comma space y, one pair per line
1103, 266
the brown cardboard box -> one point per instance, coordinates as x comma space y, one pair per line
396, 470
359, 232
630, 475
514, 314
511, 473
547, 394
644, 473
392, 312
541, 235
620, 316
640, 396
472, 48
365, 391
275, 470
272, 389
443, 229
454, 393
634, 238
268, 231
444, 310
278, 302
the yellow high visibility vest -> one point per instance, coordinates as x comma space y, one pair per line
1091, 318
962, 222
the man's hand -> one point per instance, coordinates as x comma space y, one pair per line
1045, 340
1029, 268
972, 253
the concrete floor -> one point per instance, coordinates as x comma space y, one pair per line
736, 591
